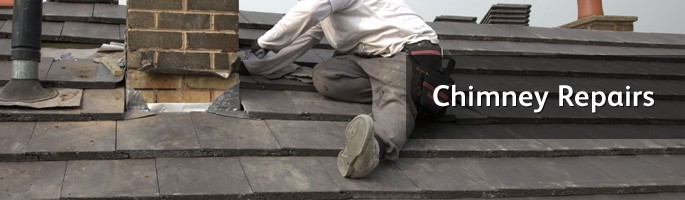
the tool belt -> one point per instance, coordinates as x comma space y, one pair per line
429, 70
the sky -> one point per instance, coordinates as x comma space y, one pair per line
663, 17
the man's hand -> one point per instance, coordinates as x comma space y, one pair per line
257, 50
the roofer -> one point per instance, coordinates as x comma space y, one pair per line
372, 39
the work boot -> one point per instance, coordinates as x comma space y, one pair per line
361, 153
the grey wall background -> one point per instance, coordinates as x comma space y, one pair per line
662, 16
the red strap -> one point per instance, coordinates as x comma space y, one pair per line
426, 52
443, 96
421, 70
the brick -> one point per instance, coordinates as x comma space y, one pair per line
152, 39
142, 80
603, 26
222, 41
138, 19
169, 96
216, 94
148, 95
134, 59
223, 61
625, 27
179, 60
187, 96
225, 22
210, 82
156, 4
215, 5
183, 21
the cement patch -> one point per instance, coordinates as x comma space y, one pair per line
65, 98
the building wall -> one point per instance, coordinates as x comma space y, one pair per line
175, 47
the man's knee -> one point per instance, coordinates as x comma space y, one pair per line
320, 81
338, 84
356, 90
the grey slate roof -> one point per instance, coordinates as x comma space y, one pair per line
72, 23
518, 58
312, 178
202, 134
75, 23
535, 59
295, 134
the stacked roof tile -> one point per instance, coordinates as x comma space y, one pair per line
513, 14
457, 19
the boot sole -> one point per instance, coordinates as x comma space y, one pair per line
358, 134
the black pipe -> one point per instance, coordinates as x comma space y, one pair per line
26, 43
26, 29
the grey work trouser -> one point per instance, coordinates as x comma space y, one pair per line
380, 81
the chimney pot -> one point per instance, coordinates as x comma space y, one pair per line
6, 3
587, 8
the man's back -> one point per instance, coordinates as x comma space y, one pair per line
373, 27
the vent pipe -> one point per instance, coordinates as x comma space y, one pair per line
26, 32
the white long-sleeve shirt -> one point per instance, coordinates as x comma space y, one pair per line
369, 27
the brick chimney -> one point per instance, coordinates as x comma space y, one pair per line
181, 50
591, 16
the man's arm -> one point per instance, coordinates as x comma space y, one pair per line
273, 62
301, 18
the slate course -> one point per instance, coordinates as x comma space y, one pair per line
83, 73
312, 177
101, 105
180, 135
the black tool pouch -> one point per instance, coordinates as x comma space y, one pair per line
429, 70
